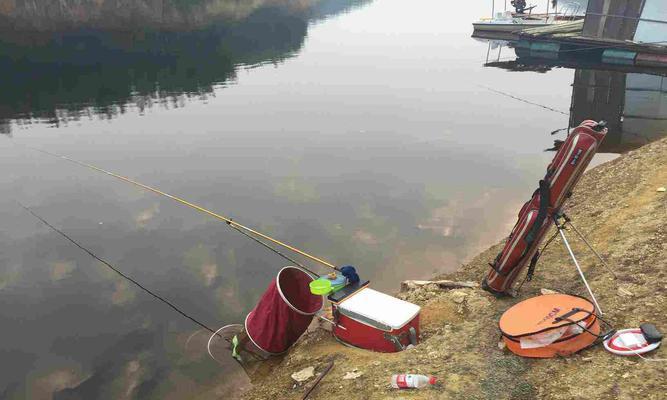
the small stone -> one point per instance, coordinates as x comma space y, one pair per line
501, 345
624, 292
304, 374
625, 375
661, 189
353, 374
548, 291
458, 296
587, 359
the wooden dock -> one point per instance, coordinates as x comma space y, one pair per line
571, 33
566, 41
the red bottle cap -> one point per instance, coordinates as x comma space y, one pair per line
432, 380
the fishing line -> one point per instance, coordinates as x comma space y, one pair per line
139, 285
524, 100
278, 252
228, 220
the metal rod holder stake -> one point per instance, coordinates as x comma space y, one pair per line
576, 263
604, 263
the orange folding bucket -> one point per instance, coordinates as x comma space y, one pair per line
550, 325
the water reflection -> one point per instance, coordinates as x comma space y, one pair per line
90, 73
635, 105
73, 330
101, 327
633, 100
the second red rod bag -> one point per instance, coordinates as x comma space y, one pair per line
536, 215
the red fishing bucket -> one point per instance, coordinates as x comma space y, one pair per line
284, 312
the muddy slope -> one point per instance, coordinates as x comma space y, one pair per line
618, 207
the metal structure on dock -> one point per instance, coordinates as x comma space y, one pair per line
620, 33
614, 32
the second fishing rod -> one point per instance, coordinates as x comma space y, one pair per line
247, 231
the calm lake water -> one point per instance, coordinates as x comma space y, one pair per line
360, 131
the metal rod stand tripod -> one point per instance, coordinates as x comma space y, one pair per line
561, 230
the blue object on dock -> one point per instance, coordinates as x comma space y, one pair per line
619, 57
350, 273
338, 281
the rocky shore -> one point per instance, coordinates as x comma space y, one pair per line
621, 207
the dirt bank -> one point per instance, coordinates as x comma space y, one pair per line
618, 207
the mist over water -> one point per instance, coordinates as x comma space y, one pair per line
357, 131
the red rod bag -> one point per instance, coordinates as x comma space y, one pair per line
536, 215
284, 312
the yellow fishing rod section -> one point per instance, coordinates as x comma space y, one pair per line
223, 218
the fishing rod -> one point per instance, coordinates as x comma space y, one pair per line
233, 224
119, 272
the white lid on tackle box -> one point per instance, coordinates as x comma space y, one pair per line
378, 309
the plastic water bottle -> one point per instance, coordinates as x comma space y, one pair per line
406, 381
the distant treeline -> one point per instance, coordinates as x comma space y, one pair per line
64, 75
49, 15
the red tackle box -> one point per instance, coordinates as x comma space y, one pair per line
376, 321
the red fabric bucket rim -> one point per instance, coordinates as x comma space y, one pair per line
286, 300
